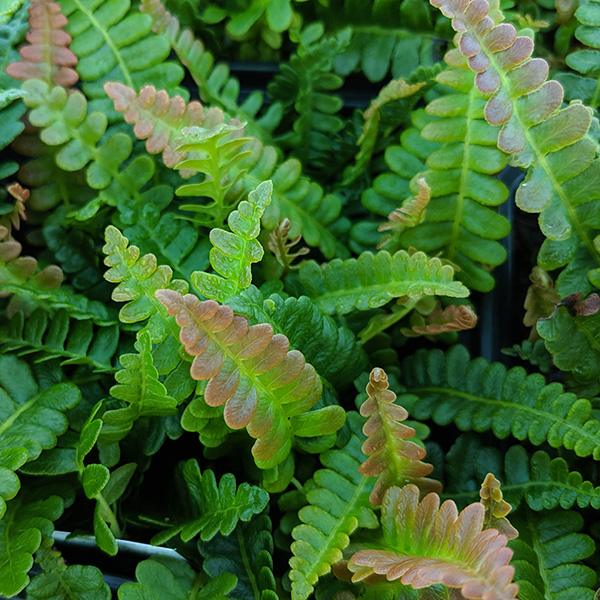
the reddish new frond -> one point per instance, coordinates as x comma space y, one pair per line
282, 245
392, 458
431, 544
47, 56
159, 119
249, 369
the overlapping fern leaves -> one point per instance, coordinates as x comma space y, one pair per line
460, 155
557, 145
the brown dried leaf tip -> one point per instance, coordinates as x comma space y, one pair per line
159, 119
451, 318
540, 301
412, 212
249, 369
47, 56
496, 508
14, 217
393, 459
282, 245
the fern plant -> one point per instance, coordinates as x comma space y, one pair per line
202, 260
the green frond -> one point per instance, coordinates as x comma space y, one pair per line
557, 144
100, 484
217, 507
11, 111
263, 386
426, 544
535, 353
74, 342
385, 36
372, 280
305, 87
116, 43
585, 61
458, 163
333, 351
544, 482
215, 84
61, 582
478, 395
205, 420
31, 420
169, 579
248, 554
574, 343
338, 503
235, 251
548, 554
29, 518
137, 385
138, 279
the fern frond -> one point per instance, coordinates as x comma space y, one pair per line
585, 61
544, 482
333, 351
137, 385
215, 85
47, 56
246, 553
159, 119
338, 503
174, 579
11, 111
397, 91
217, 507
74, 342
460, 220
430, 544
138, 279
574, 343
306, 85
263, 386
62, 582
558, 144
392, 458
548, 554
479, 396
282, 245
117, 44
372, 280
29, 518
235, 251
496, 508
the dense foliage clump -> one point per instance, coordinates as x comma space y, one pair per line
230, 309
